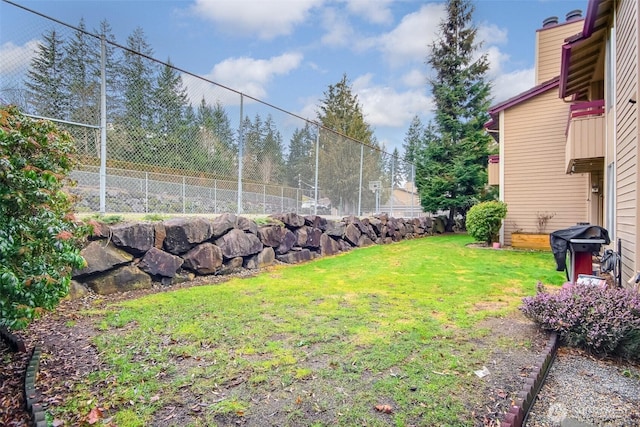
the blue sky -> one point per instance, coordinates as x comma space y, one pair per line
287, 52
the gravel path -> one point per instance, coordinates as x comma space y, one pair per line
584, 391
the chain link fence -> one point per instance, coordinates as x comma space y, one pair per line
153, 138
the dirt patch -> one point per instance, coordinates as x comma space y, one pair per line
68, 356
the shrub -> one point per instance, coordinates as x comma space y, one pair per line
38, 236
484, 220
599, 319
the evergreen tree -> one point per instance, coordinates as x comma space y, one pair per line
396, 169
169, 101
82, 70
252, 142
271, 162
216, 138
451, 172
413, 140
341, 112
113, 67
46, 91
301, 157
138, 76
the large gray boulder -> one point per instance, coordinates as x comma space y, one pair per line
160, 263
101, 256
316, 221
335, 229
123, 279
308, 237
295, 257
136, 238
288, 240
183, 234
237, 243
205, 258
265, 258
328, 246
233, 265
160, 233
271, 235
291, 220
247, 225
222, 224
352, 234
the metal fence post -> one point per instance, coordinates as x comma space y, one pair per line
315, 184
240, 155
360, 186
103, 126
146, 192
413, 187
184, 196
393, 164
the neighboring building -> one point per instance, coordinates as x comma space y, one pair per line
530, 129
577, 155
599, 72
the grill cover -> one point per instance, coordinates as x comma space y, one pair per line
560, 239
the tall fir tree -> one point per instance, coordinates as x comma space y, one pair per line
271, 162
216, 137
451, 171
341, 112
82, 70
46, 90
113, 67
138, 77
301, 158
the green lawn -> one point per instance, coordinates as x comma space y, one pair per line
316, 344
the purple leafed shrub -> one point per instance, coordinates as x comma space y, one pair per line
599, 319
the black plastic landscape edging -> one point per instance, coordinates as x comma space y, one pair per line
518, 412
30, 397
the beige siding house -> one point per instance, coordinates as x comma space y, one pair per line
530, 129
599, 66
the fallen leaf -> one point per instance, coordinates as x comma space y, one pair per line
298, 400
385, 409
154, 398
57, 423
94, 415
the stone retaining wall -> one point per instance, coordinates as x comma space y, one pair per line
132, 256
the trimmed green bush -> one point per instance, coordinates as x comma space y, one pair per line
39, 239
484, 220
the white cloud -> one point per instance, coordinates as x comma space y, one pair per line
410, 40
16, 59
339, 32
385, 106
376, 13
491, 34
415, 78
266, 19
247, 75
510, 84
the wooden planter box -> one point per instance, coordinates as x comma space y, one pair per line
535, 241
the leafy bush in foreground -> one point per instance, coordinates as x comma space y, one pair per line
599, 319
485, 219
38, 237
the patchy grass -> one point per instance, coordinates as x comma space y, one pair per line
319, 344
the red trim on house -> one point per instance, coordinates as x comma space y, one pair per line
590, 18
587, 31
583, 109
494, 158
524, 96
